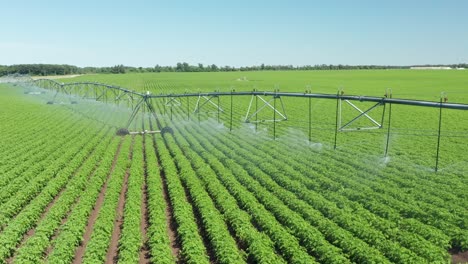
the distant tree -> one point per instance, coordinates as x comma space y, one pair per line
157, 68
179, 67
185, 67
56, 69
117, 69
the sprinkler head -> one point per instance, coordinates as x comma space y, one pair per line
167, 130
122, 132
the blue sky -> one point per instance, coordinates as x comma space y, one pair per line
236, 33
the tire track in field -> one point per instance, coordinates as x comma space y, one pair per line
80, 250
113, 250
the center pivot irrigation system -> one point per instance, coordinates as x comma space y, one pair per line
142, 103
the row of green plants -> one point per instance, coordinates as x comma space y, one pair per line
235, 198
333, 186
19, 147
33, 183
394, 205
257, 246
158, 237
270, 166
98, 245
266, 163
31, 201
286, 243
33, 159
211, 221
193, 249
318, 245
32, 250
131, 240
69, 236
32, 163
359, 228
430, 208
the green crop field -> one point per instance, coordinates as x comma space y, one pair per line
222, 190
421, 84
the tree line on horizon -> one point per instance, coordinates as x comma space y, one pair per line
64, 69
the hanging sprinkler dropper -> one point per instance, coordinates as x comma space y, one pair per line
143, 102
443, 99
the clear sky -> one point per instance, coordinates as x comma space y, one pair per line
235, 33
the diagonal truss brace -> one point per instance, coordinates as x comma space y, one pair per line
171, 101
61, 90
362, 114
142, 105
208, 99
266, 103
141, 102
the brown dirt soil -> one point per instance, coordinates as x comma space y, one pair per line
32, 231
460, 257
79, 252
113, 250
170, 221
64, 220
145, 251
201, 228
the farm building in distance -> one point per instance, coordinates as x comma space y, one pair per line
430, 68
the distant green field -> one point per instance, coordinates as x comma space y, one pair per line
421, 84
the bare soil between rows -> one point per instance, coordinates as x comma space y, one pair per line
460, 257
145, 255
80, 250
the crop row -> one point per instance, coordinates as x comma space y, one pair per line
242, 146
70, 234
287, 244
131, 239
26, 189
35, 162
257, 245
33, 248
158, 238
438, 216
97, 247
221, 242
193, 249
15, 138
324, 253
38, 197
266, 164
